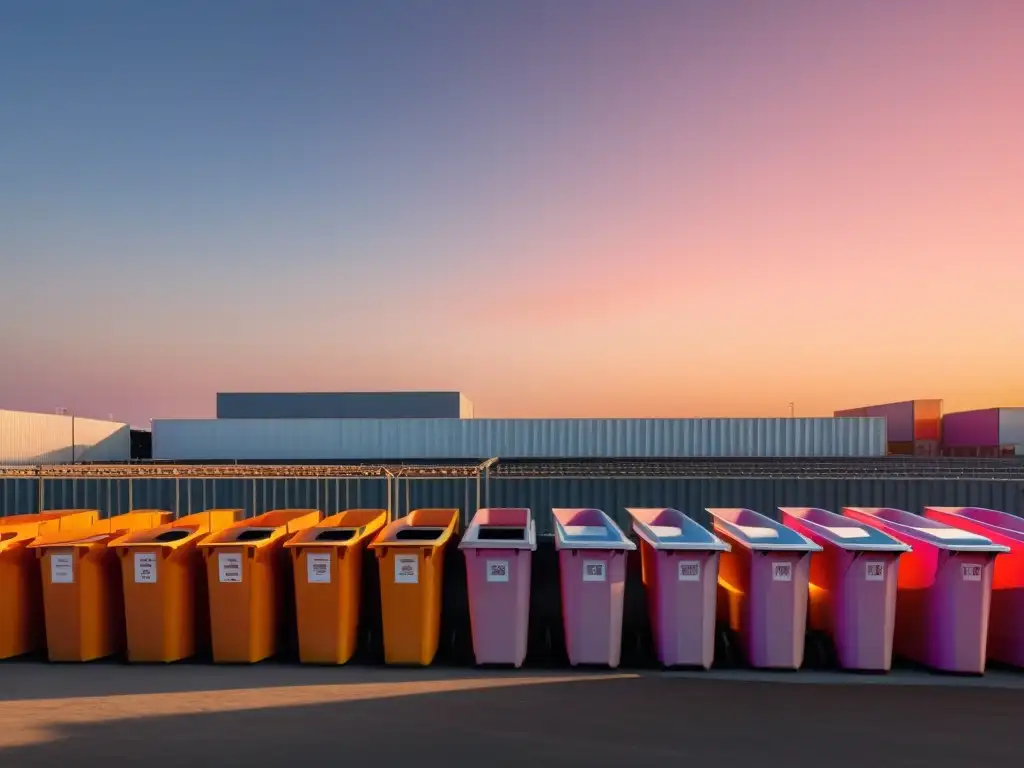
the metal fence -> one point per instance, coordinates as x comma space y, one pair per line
611, 486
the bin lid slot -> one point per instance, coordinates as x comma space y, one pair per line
418, 533
950, 534
501, 533
666, 531
173, 535
757, 532
336, 534
848, 532
254, 534
586, 531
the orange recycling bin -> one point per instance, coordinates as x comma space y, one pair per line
82, 600
21, 590
327, 568
246, 570
410, 555
165, 597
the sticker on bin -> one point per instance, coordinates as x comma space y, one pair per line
782, 572
874, 571
593, 570
689, 570
666, 531
971, 571
318, 568
230, 564
145, 568
62, 569
586, 531
407, 569
497, 570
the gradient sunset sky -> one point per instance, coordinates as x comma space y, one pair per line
572, 208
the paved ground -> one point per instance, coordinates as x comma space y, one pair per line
275, 715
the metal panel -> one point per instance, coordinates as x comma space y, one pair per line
390, 439
971, 428
341, 405
43, 438
1011, 428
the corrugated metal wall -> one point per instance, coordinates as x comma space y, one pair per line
613, 495
386, 439
341, 405
44, 438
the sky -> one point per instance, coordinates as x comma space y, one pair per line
575, 209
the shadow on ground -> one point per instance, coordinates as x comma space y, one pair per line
393, 718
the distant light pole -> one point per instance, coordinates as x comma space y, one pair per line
792, 410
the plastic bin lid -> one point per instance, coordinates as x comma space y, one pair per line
669, 529
842, 531
758, 532
497, 529
1003, 525
588, 529
922, 529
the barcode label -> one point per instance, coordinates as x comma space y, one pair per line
62, 569
407, 569
145, 568
230, 566
593, 570
497, 570
971, 571
318, 568
782, 572
689, 570
874, 571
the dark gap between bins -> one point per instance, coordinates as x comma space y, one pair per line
501, 533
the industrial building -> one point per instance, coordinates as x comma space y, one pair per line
990, 432
913, 427
333, 439
46, 438
343, 405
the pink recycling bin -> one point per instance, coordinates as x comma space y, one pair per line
679, 561
852, 585
943, 590
498, 545
1006, 618
763, 586
592, 552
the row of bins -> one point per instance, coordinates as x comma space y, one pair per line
874, 581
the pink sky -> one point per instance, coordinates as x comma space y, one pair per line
715, 217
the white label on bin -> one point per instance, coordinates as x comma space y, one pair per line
318, 568
689, 570
874, 571
230, 564
593, 570
971, 571
497, 570
782, 572
145, 568
407, 569
62, 569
